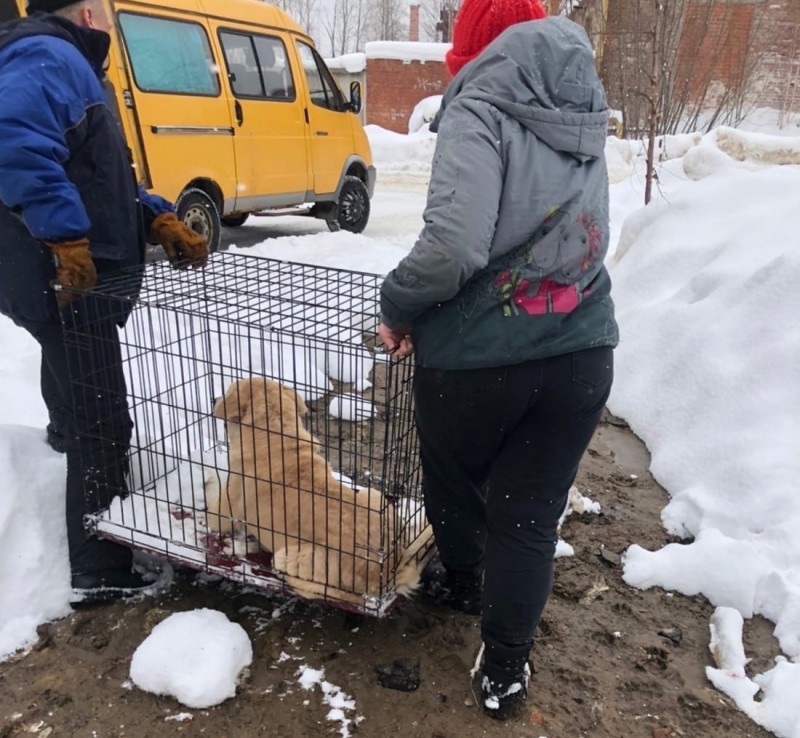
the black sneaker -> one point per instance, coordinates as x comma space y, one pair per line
504, 679
462, 591
111, 584
56, 439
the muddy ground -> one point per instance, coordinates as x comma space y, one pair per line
609, 660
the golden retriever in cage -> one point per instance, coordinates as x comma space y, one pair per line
281, 488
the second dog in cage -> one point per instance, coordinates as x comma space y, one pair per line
281, 488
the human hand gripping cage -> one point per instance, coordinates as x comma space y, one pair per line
273, 439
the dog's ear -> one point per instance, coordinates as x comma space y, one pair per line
233, 406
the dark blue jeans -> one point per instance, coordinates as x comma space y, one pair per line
500, 449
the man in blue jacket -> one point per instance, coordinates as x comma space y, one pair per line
71, 217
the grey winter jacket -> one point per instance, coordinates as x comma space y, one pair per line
509, 265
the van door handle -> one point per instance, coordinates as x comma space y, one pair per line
239, 113
321, 133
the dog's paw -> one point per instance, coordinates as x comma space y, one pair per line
211, 490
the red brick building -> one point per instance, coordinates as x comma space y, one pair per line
399, 75
717, 45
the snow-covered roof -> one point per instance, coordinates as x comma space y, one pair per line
352, 63
407, 51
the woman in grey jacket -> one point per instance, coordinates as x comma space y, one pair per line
506, 303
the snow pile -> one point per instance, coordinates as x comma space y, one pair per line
351, 408
620, 158
424, 112
351, 367
196, 657
395, 153
772, 709
34, 579
758, 147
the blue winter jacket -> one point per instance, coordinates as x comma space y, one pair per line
65, 169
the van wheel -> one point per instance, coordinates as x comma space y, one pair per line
234, 221
352, 211
198, 211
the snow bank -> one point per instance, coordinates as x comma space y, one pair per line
34, 568
708, 375
396, 153
758, 147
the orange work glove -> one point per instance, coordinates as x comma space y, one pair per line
75, 269
182, 245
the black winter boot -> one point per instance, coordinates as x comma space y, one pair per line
119, 583
504, 678
462, 591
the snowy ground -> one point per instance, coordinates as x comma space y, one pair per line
708, 375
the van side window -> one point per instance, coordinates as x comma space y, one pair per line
169, 56
322, 88
257, 66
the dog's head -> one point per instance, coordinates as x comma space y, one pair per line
261, 403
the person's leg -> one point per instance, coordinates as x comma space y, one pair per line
58, 413
461, 419
95, 470
527, 492
456, 450
97, 462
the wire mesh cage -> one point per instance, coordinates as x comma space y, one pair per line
260, 433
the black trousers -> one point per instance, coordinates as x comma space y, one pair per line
83, 386
500, 449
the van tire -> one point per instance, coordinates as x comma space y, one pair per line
198, 211
234, 221
352, 210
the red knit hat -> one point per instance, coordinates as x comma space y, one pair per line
479, 22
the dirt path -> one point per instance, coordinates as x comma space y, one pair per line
601, 666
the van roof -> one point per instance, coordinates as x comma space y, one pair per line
245, 11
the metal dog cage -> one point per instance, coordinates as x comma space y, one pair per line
190, 337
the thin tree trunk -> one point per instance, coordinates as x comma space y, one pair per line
654, 105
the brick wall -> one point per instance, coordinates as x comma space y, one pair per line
777, 43
757, 41
395, 87
713, 46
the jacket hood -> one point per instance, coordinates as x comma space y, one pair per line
541, 73
92, 44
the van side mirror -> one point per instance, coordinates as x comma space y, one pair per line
355, 96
